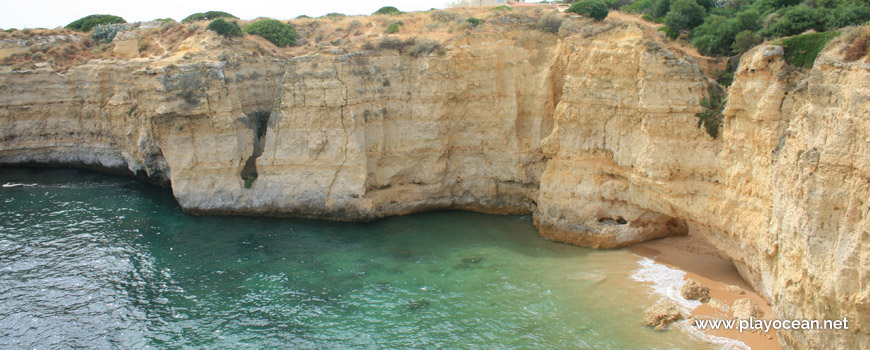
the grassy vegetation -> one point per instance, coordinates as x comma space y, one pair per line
249, 180
802, 50
85, 24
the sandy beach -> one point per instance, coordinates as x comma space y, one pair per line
703, 263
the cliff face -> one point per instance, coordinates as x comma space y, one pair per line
798, 149
594, 134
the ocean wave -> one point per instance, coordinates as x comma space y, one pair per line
666, 282
15, 184
722, 342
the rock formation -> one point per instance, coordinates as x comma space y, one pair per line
594, 134
694, 290
661, 314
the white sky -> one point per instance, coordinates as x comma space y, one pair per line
57, 13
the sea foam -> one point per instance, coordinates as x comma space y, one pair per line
666, 282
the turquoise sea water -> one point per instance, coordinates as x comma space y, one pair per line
89, 260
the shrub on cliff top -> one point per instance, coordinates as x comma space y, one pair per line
227, 29
388, 10
279, 33
85, 24
591, 8
206, 16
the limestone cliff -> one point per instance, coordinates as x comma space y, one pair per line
594, 134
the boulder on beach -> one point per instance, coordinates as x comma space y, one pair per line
661, 314
694, 290
744, 309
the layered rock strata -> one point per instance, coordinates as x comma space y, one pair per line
594, 134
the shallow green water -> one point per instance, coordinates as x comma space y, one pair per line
98, 261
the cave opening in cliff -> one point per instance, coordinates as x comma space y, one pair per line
258, 121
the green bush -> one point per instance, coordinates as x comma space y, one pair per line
388, 10
474, 21
85, 24
222, 27
726, 76
502, 8
802, 50
716, 36
206, 16
684, 14
795, 20
279, 33
591, 8
394, 28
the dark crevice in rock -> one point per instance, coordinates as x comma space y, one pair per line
611, 221
259, 123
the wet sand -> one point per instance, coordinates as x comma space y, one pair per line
703, 263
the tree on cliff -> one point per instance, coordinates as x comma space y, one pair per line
85, 24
